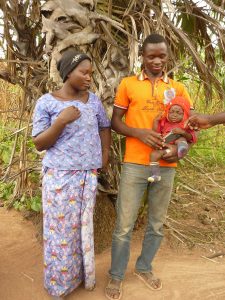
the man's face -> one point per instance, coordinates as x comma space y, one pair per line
155, 57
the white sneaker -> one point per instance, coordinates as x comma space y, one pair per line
154, 178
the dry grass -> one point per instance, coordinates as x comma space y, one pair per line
196, 215
10, 99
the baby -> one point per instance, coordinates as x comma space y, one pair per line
171, 126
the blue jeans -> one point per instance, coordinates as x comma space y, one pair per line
133, 184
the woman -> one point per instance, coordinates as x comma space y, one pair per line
71, 125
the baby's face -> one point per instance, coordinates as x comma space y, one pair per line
175, 114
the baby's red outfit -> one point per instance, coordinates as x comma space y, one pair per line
165, 126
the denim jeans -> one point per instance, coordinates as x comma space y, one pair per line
133, 184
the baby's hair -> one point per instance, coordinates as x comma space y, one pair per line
154, 38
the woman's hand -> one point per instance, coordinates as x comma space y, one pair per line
49, 137
105, 162
69, 114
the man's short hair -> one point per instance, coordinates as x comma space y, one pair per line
154, 38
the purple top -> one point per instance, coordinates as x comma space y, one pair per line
79, 145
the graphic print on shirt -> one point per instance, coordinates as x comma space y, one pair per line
169, 94
153, 105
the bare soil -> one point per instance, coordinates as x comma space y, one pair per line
185, 273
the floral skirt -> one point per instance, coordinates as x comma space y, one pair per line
68, 203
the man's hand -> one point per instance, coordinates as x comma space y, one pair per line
171, 155
150, 138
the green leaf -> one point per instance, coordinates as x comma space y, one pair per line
36, 204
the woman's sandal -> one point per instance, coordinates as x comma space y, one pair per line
149, 280
115, 289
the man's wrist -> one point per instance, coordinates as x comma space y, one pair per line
135, 132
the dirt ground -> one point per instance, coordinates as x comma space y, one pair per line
185, 274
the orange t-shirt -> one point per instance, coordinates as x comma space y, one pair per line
142, 102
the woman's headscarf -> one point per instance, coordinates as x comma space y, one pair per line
69, 61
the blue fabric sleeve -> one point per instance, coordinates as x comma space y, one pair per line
41, 118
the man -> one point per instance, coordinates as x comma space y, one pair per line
140, 99
206, 121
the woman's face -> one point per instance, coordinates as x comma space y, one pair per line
80, 77
175, 114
